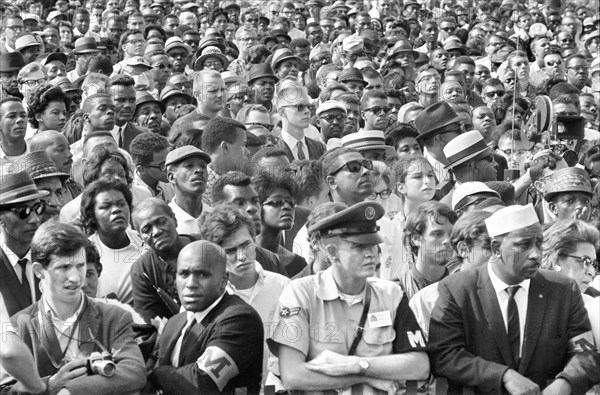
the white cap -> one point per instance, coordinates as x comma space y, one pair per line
470, 188
511, 218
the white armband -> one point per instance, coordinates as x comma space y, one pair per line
218, 365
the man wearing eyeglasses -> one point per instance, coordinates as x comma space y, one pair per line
12, 30
293, 107
577, 72
20, 212
331, 120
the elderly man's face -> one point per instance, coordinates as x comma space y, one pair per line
211, 92
157, 228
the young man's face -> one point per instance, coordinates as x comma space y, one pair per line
64, 277
435, 241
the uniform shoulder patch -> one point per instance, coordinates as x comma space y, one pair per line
285, 311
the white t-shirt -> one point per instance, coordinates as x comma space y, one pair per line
116, 266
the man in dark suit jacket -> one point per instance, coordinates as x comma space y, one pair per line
122, 93
216, 345
18, 196
480, 337
61, 352
293, 107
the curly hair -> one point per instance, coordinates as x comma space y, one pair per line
214, 14
145, 145
309, 177
100, 155
74, 127
45, 95
266, 182
223, 221
88, 201
561, 238
234, 178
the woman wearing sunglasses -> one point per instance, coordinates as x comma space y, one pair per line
570, 248
276, 194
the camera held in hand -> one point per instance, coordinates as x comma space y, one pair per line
101, 363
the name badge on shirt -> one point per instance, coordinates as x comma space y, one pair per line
380, 319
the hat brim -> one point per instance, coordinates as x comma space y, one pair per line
456, 119
275, 64
389, 151
221, 57
187, 97
263, 76
469, 157
202, 155
364, 238
84, 51
26, 198
62, 176
414, 53
548, 197
160, 104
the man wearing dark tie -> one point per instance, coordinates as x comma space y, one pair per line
508, 326
122, 93
293, 107
20, 213
216, 345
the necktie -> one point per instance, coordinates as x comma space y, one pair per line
24, 281
120, 137
187, 340
299, 146
514, 328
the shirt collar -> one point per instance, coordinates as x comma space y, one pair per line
327, 288
200, 315
12, 257
290, 140
181, 213
500, 285
49, 309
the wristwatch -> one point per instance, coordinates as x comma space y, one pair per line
364, 365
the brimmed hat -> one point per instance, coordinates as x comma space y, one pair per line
455, 44
138, 61
38, 165
262, 70
46, 58
411, 2
85, 45
511, 218
280, 55
18, 188
351, 74
211, 41
209, 52
229, 4
189, 6
12, 61
28, 40
571, 179
435, 117
145, 97
330, 105
467, 189
170, 91
368, 140
403, 46
464, 147
154, 49
57, 14
353, 44
65, 84
357, 224
281, 33
187, 151
30, 17
176, 42
406, 108
229, 77
595, 66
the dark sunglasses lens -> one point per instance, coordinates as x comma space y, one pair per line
354, 167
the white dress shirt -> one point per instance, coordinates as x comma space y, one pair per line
192, 317
13, 259
291, 141
186, 224
521, 298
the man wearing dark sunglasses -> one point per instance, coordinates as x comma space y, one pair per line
20, 216
376, 111
293, 107
331, 119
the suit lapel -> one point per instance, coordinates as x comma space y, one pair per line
46, 333
12, 282
283, 145
491, 309
171, 336
88, 328
536, 307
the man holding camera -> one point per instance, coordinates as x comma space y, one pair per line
79, 346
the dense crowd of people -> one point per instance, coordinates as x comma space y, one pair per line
299, 197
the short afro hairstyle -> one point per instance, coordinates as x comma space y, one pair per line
219, 129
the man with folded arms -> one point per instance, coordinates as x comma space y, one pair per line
509, 326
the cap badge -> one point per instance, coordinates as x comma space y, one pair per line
370, 213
